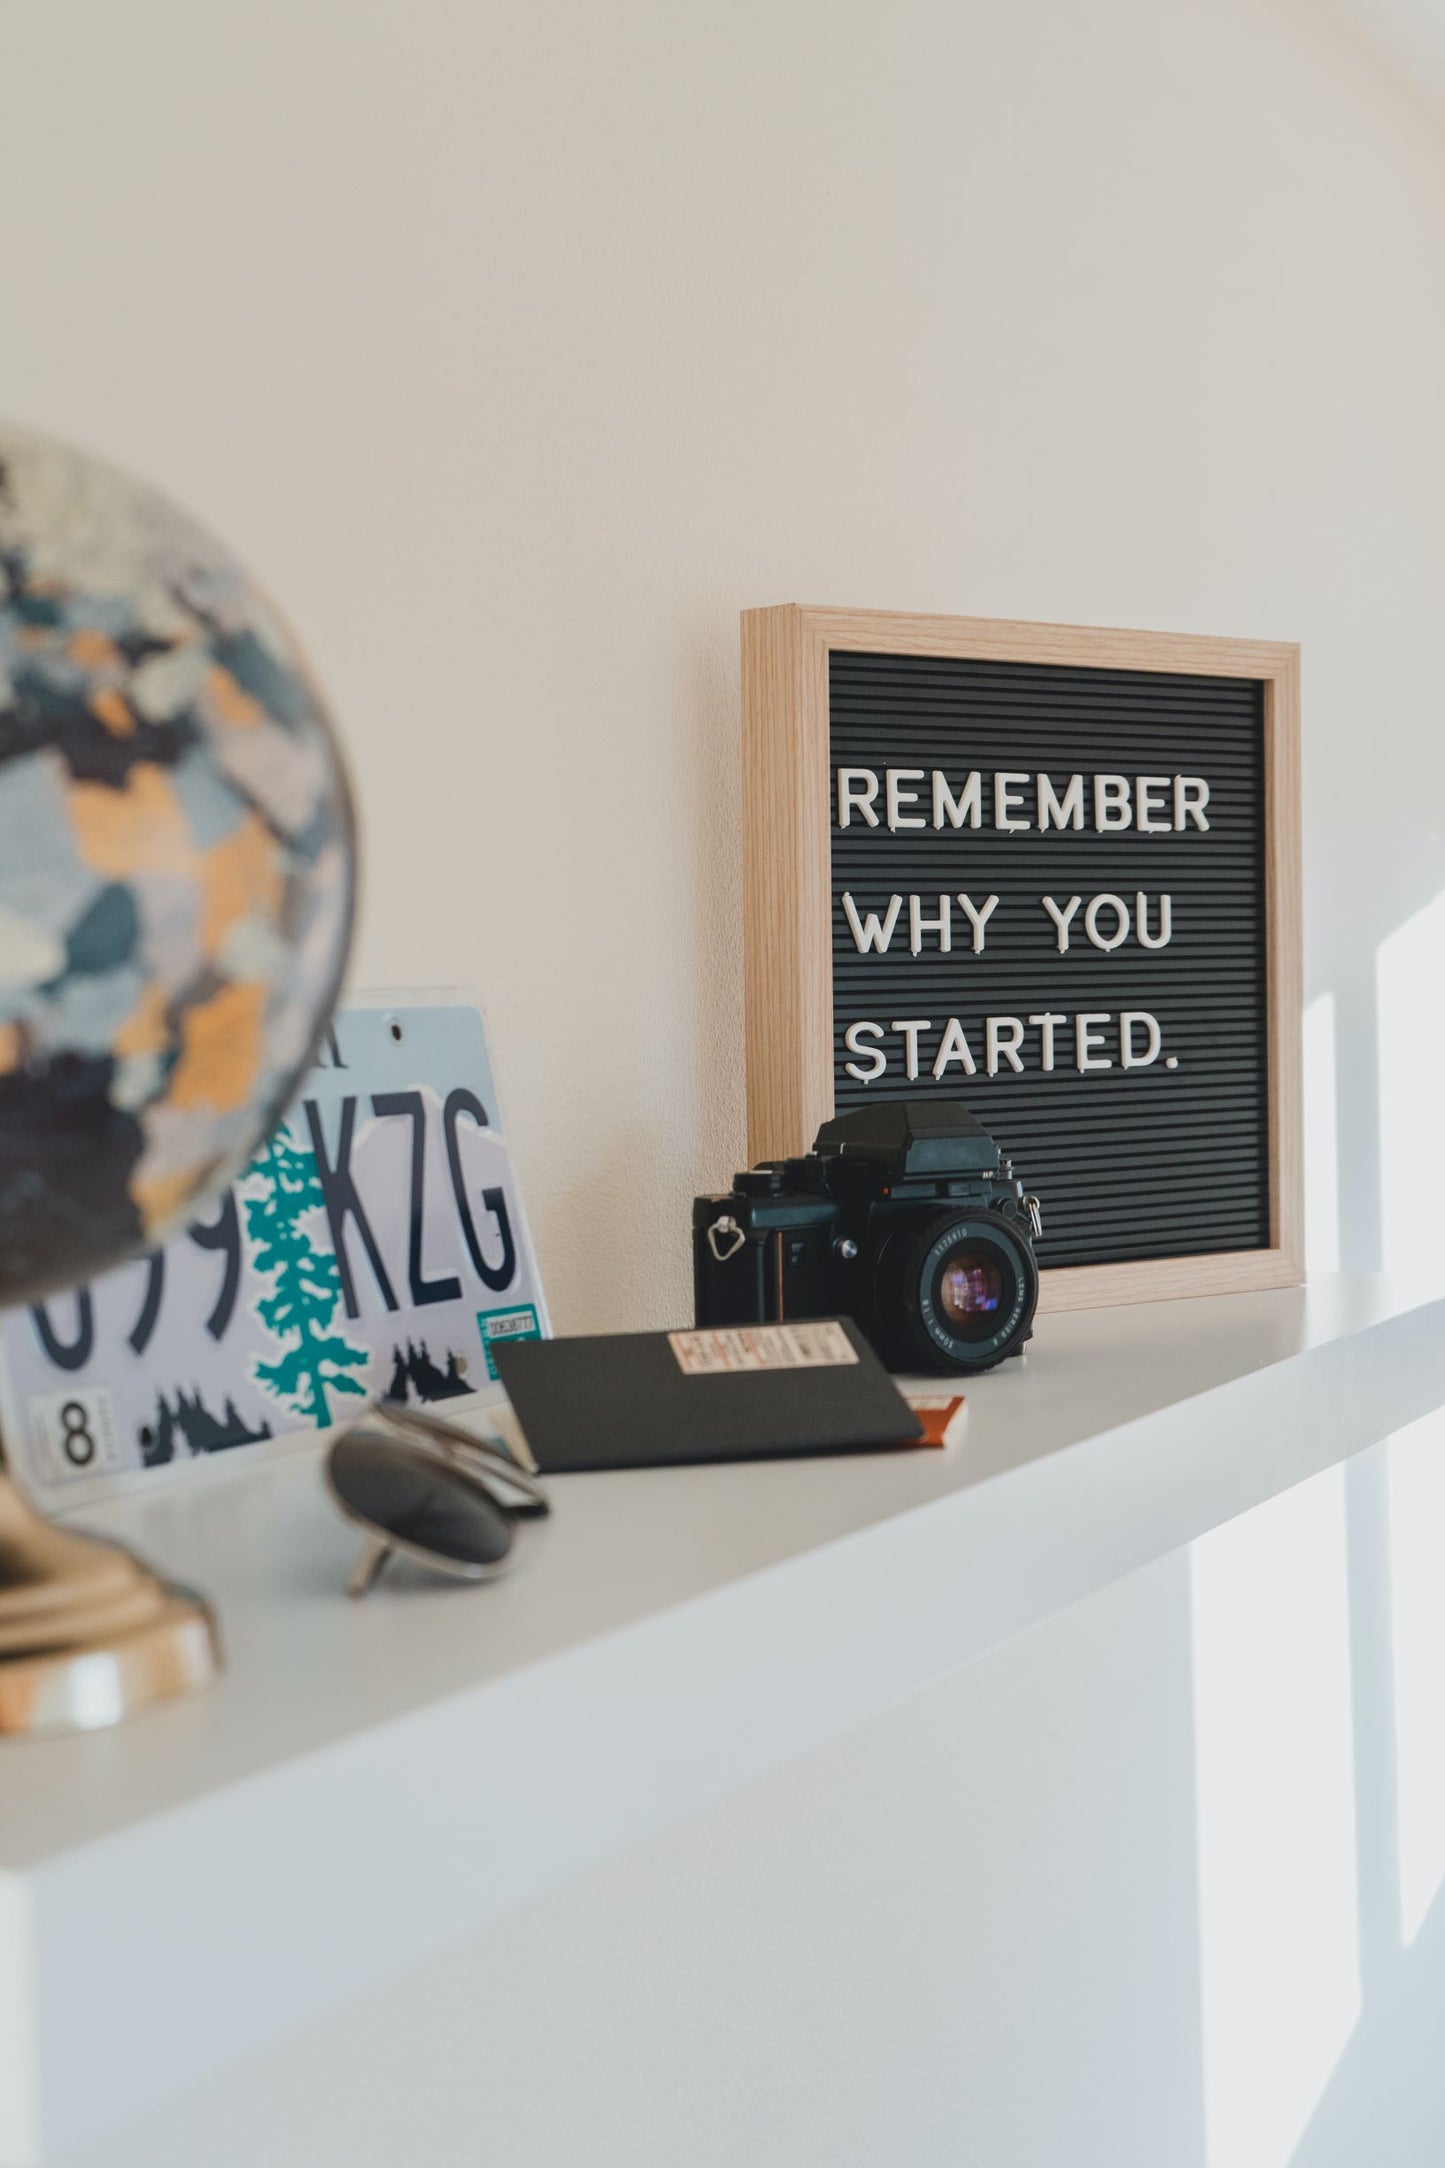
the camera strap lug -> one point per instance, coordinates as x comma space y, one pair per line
725, 1238
1036, 1216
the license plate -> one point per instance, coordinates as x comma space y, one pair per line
375, 1245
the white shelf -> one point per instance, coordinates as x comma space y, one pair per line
370, 1783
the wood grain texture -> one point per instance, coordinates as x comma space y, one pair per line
788, 903
1284, 960
788, 986
1093, 647
1162, 1279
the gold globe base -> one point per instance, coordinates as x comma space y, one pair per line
88, 1635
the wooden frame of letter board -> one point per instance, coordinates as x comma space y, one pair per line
787, 835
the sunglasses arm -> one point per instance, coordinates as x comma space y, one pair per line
368, 1568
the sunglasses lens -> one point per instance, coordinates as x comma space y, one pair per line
419, 1500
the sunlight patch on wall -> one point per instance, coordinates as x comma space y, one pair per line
1409, 968
1278, 1903
1322, 1138
1416, 1463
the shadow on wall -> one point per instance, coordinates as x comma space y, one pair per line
629, 1211
1374, 1048
1318, 1627
715, 821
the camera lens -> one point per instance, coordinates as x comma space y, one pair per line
970, 1290
955, 1291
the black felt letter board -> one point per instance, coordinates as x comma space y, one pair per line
1169, 1157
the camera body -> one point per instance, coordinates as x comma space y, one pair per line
905, 1216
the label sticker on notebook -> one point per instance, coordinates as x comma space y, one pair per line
499, 1325
819, 1346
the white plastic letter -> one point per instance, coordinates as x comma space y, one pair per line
1191, 796
1128, 1018
1086, 1039
1060, 918
918, 925
1046, 1023
1166, 922
955, 1048
1091, 921
1151, 807
871, 931
979, 915
895, 778
1003, 1036
857, 789
1065, 812
853, 1040
968, 806
1113, 803
1008, 800
910, 1028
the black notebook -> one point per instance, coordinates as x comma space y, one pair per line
738, 1392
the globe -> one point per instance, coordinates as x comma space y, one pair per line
176, 866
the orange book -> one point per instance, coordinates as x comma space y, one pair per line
941, 1415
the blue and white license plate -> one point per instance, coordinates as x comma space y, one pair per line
376, 1245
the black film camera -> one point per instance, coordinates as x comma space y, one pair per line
905, 1216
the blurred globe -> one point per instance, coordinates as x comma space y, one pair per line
176, 866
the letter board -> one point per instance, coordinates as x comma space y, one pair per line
1053, 872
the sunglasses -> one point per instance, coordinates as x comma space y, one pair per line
420, 1487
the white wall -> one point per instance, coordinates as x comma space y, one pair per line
520, 346
1409, 35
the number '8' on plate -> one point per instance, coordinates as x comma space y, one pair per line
73, 1433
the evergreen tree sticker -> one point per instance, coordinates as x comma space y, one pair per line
305, 1285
